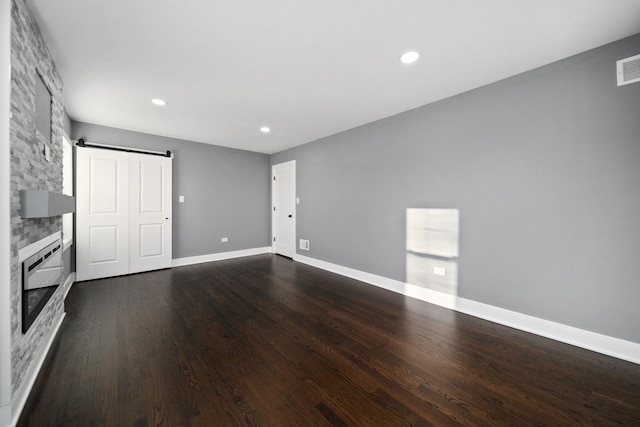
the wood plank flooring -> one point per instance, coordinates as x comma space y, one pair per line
265, 341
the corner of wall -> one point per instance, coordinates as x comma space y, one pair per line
5, 221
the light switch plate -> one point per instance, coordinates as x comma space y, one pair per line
180, 199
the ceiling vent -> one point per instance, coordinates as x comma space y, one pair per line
628, 70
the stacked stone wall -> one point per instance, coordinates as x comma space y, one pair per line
31, 59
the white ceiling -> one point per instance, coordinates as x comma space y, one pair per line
305, 68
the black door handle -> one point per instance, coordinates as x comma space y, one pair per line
290, 216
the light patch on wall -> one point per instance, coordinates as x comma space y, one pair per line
67, 189
432, 249
43, 100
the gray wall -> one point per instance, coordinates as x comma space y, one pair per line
66, 264
226, 191
544, 167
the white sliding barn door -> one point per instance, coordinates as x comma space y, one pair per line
150, 212
102, 213
123, 213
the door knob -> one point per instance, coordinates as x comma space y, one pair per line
290, 216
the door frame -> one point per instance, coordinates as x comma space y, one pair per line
274, 204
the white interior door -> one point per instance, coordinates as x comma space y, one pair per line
150, 205
102, 213
284, 208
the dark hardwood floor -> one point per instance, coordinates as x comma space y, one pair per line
264, 341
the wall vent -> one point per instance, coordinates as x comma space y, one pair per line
628, 70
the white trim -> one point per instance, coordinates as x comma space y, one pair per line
33, 248
295, 205
611, 346
178, 262
21, 395
5, 209
615, 347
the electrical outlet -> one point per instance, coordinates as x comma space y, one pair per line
439, 271
304, 245
224, 239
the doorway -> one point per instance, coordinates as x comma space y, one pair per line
123, 223
283, 196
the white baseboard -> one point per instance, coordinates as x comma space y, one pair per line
178, 262
621, 349
21, 395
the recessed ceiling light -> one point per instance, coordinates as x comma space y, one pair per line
409, 57
159, 102
265, 129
